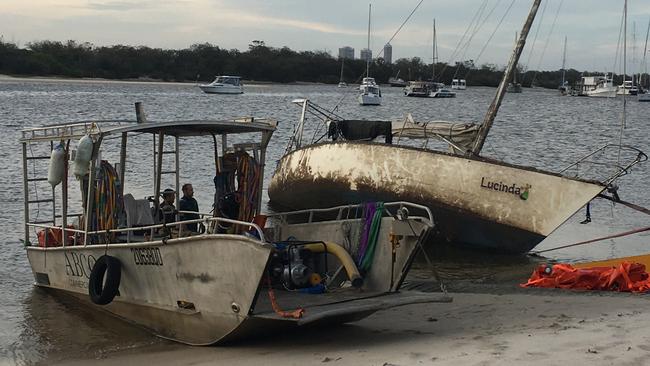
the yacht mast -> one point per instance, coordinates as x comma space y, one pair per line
564, 62
433, 66
367, 54
645, 51
501, 90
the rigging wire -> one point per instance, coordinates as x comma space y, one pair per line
492, 35
336, 106
623, 116
550, 33
476, 29
532, 47
462, 38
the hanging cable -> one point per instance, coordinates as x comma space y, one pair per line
492, 35
550, 33
532, 48
476, 30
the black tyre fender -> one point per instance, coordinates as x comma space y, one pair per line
103, 292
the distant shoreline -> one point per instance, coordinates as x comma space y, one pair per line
4, 77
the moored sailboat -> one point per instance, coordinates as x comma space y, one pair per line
370, 92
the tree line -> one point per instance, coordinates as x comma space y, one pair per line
201, 62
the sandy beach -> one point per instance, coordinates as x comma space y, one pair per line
528, 327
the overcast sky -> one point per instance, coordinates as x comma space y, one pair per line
592, 26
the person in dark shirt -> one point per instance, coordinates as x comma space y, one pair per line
167, 212
188, 203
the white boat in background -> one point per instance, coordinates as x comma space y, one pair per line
597, 87
417, 89
564, 85
443, 93
342, 84
627, 88
370, 92
397, 81
458, 84
224, 85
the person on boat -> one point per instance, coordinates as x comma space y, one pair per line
188, 203
167, 211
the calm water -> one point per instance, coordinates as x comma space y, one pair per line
537, 128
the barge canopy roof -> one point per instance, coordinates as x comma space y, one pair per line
173, 128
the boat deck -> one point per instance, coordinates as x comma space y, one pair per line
339, 306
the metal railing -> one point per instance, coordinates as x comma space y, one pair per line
354, 212
619, 170
211, 224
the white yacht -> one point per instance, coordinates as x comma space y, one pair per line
627, 88
224, 85
417, 89
370, 92
597, 86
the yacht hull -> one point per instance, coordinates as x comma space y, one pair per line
369, 99
475, 202
217, 89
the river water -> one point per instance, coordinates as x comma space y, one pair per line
537, 128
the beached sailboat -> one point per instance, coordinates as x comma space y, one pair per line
479, 202
370, 92
205, 277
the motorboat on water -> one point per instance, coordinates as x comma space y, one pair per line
200, 277
597, 87
224, 85
627, 88
478, 202
370, 93
443, 92
342, 84
417, 89
458, 84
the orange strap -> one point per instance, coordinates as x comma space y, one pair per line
295, 314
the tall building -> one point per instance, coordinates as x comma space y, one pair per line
366, 54
346, 52
388, 53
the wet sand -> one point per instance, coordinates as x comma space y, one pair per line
527, 326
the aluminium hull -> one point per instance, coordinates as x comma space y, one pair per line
158, 279
475, 202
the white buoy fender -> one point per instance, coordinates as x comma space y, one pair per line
82, 159
56, 170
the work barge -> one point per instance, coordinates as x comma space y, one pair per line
215, 276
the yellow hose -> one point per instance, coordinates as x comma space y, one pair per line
343, 256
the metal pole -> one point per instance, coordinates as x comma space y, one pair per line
161, 140
123, 160
501, 90
64, 194
25, 194
177, 162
